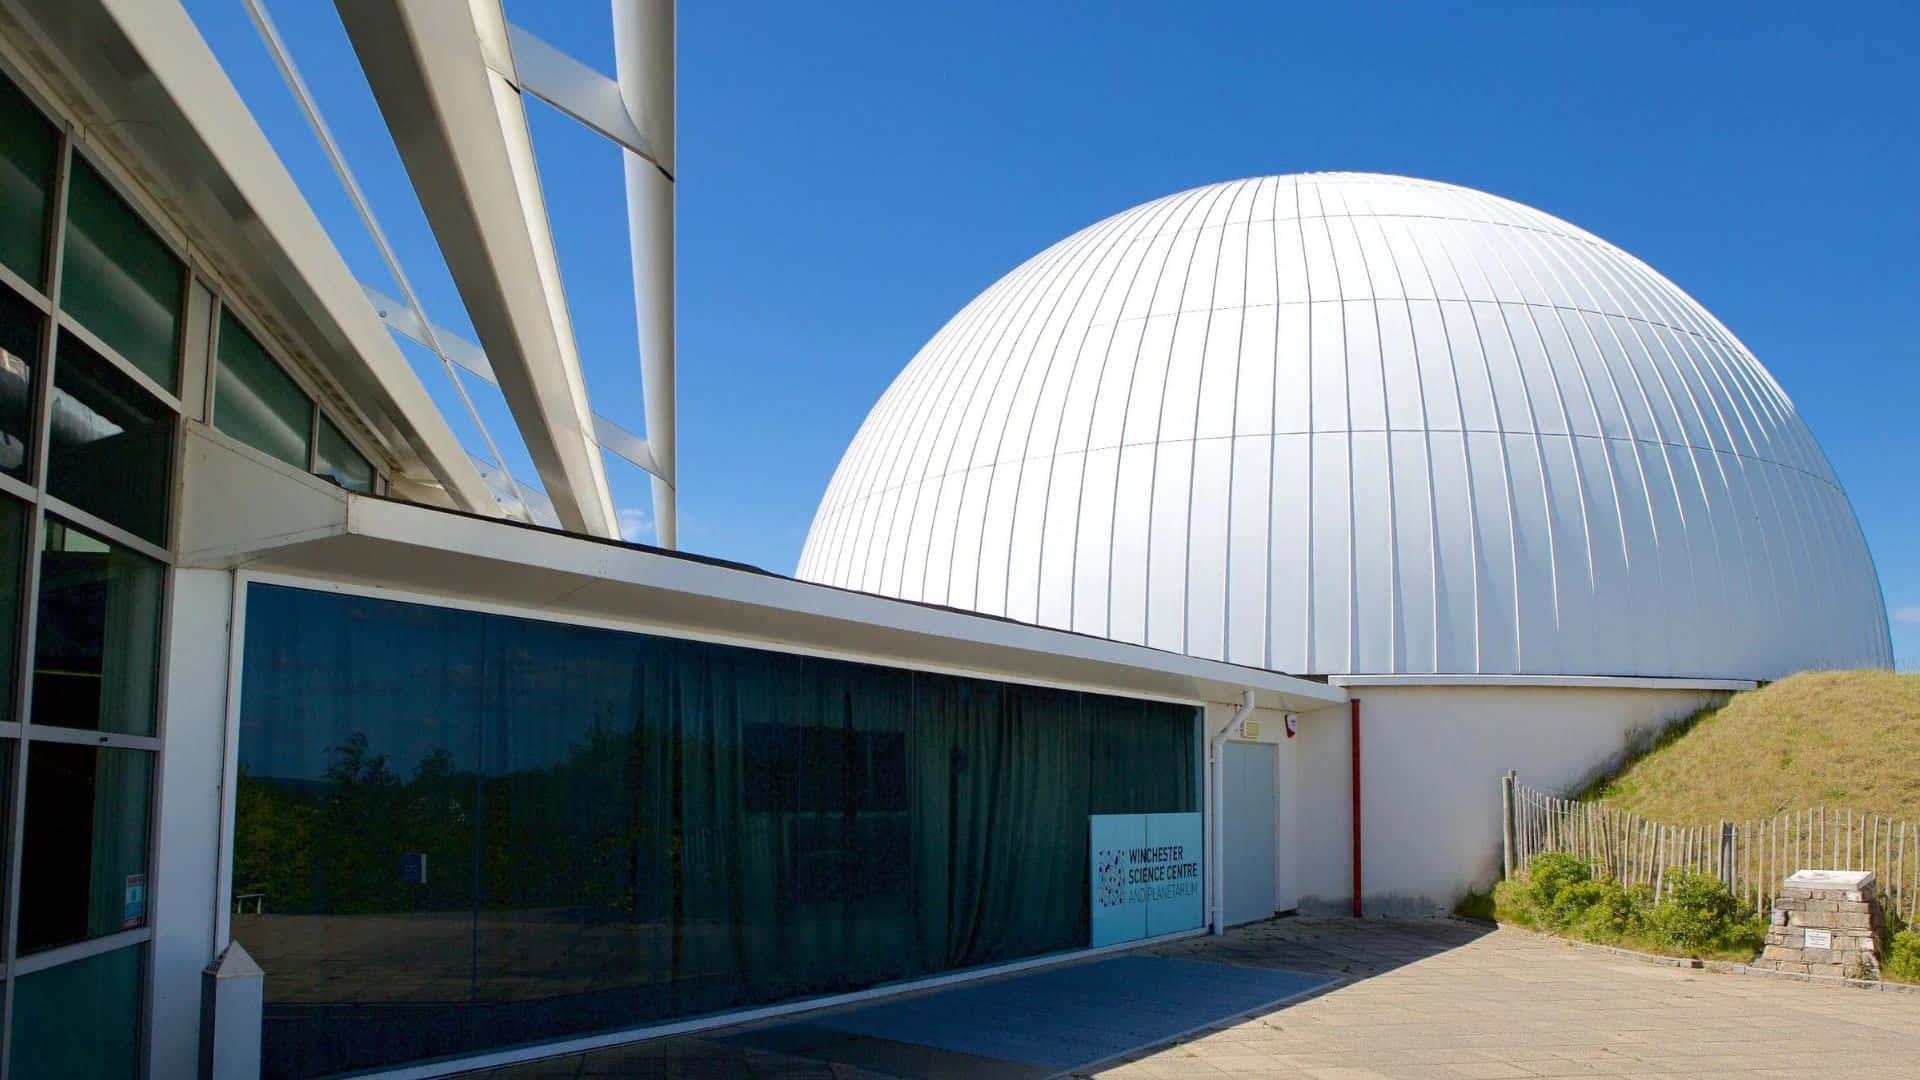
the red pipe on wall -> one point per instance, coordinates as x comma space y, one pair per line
1355, 704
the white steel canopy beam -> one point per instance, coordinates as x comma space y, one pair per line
643, 50
435, 67
403, 320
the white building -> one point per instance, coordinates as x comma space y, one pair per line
286, 670
1508, 485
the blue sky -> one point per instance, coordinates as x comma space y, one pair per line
851, 174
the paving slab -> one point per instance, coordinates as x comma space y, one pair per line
1418, 999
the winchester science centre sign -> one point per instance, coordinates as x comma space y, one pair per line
1144, 875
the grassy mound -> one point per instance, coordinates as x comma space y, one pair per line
1820, 738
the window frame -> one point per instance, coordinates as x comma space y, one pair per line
37, 503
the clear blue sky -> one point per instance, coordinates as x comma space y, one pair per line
852, 174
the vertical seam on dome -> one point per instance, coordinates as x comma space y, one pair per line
1706, 344
1026, 301
1184, 204
1533, 423
949, 366
1466, 462
1116, 246
1160, 411
1088, 260
1307, 575
1393, 520
1426, 437
1043, 304
966, 356
1233, 433
1549, 245
1506, 467
1566, 420
1632, 295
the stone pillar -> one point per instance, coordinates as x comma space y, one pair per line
1826, 922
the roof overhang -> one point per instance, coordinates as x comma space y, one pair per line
149, 91
1591, 682
443, 75
245, 510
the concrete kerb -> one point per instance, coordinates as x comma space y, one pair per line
1724, 967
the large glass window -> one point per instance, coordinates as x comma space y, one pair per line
255, 401
83, 856
97, 644
111, 451
458, 830
119, 279
336, 459
29, 147
79, 1019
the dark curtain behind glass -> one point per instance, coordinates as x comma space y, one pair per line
461, 831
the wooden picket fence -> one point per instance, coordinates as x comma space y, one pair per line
1752, 858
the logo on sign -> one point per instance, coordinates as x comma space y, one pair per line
1110, 872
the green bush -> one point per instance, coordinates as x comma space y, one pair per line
1698, 915
1551, 873
1903, 957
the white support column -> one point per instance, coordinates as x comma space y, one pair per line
187, 818
643, 49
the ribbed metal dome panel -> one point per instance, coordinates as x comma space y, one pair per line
1349, 423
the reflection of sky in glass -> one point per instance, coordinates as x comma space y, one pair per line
417, 679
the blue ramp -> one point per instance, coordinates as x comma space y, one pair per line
1051, 1020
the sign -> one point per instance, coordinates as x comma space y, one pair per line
413, 868
1143, 875
1819, 939
133, 909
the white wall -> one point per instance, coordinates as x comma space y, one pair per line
1431, 760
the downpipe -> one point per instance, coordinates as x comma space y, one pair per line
1217, 828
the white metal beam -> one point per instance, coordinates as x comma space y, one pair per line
403, 320
643, 50
435, 68
575, 89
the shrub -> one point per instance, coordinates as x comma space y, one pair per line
1513, 902
1610, 914
1550, 874
1903, 957
1700, 915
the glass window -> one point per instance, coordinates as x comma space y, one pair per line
28, 148
111, 451
80, 1019
83, 855
97, 640
20, 324
255, 401
337, 460
580, 829
119, 278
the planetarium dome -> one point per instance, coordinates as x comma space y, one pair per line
1352, 423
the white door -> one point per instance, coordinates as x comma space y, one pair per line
1249, 828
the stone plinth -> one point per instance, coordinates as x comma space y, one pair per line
1826, 922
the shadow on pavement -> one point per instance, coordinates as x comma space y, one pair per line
1347, 949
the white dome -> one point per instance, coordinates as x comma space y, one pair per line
1349, 423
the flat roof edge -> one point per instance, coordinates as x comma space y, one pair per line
745, 591
1606, 682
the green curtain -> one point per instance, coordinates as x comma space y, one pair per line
622, 828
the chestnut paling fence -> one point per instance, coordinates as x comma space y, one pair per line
1752, 858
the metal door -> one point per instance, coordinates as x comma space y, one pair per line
1250, 825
